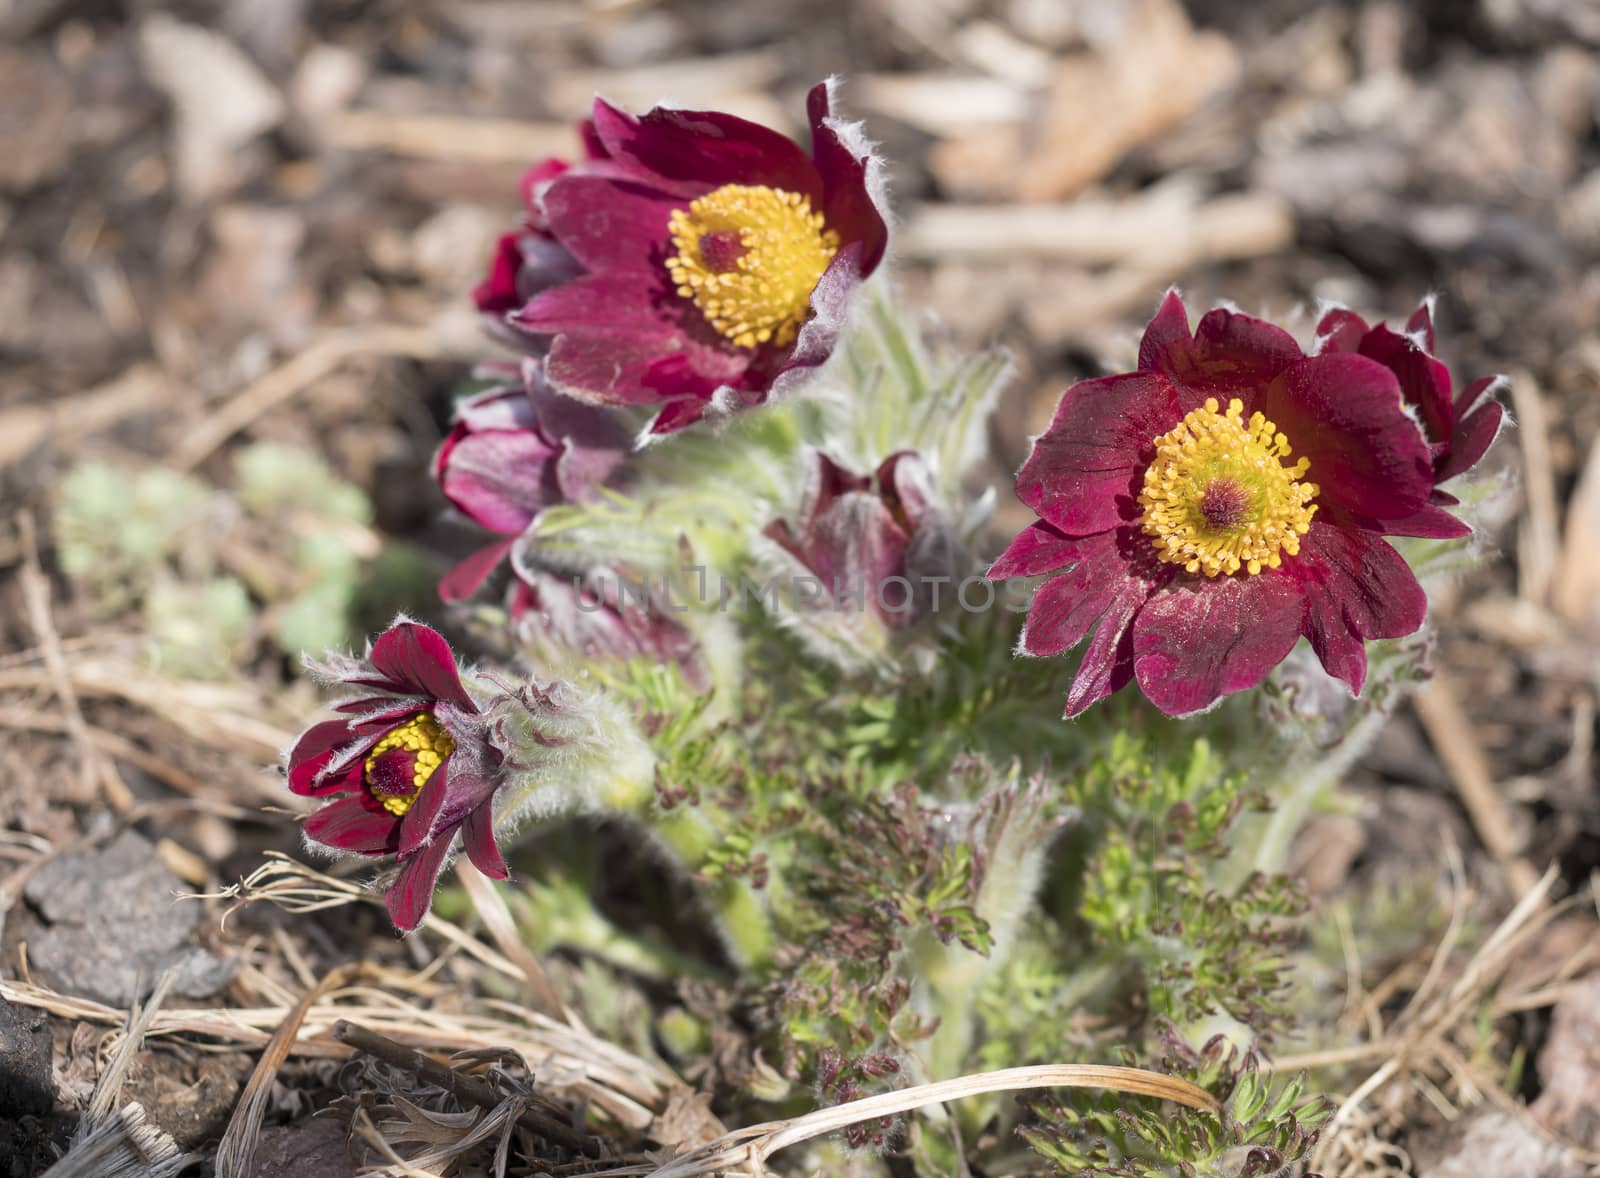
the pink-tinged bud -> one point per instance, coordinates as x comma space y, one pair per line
879, 541
516, 450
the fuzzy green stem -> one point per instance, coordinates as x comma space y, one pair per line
1264, 844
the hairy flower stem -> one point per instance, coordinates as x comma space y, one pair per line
1265, 842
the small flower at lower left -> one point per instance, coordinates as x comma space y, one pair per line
413, 763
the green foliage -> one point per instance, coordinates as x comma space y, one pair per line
1147, 896
1264, 1127
280, 556
115, 530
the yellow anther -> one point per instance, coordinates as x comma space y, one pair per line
1219, 498
428, 743
750, 256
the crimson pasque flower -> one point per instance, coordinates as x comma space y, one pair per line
415, 762
1459, 429
516, 450
1205, 511
715, 254
873, 539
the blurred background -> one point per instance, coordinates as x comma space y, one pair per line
238, 239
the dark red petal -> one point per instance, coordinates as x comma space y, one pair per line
1345, 413
1431, 522
676, 415
1107, 665
1421, 323
1340, 330
1066, 607
477, 832
411, 895
311, 754
355, 824
1083, 474
419, 659
534, 180
1468, 397
1356, 587
847, 206
628, 369
1167, 338
707, 147
611, 225
605, 304
1231, 355
1038, 548
497, 293
1202, 638
421, 823
501, 479
1474, 435
463, 581
376, 721
1424, 381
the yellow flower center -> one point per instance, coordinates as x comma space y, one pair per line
750, 256
401, 763
1219, 497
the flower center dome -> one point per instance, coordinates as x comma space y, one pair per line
750, 256
401, 763
1219, 496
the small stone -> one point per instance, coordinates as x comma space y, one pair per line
25, 1085
106, 924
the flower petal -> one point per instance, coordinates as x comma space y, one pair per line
847, 205
708, 148
477, 833
1200, 639
501, 479
1421, 324
497, 293
1107, 665
420, 660
464, 579
1344, 412
1066, 607
1431, 522
411, 895
1167, 338
312, 754
1474, 435
1340, 330
421, 824
1230, 355
1038, 548
1424, 381
1083, 473
1356, 587
616, 303
611, 225
354, 824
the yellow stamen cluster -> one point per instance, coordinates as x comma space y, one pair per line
428, 744
1219, 496
750, 256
